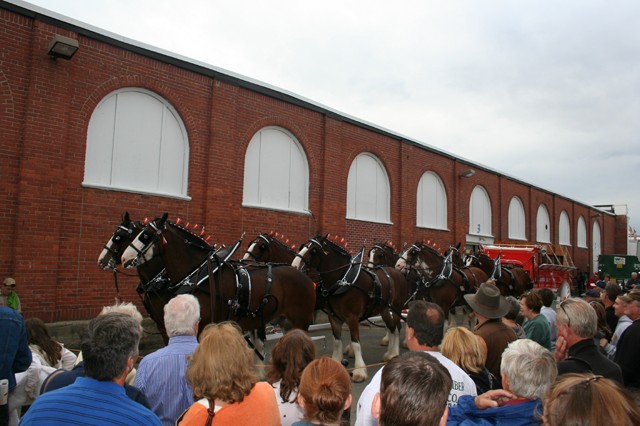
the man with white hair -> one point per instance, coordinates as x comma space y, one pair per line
527, 370
162, 374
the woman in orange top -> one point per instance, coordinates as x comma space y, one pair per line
225, 383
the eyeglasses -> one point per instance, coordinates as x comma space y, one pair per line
565, 313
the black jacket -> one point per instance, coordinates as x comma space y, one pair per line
585, 356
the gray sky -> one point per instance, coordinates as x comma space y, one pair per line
545, 91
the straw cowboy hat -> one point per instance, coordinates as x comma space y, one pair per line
488, 301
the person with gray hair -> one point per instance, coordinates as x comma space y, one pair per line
110, 348
528, 370
576, 351
162, 374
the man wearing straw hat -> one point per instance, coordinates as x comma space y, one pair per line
9, 296
489, 306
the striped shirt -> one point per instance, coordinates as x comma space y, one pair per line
88, 402
162, 378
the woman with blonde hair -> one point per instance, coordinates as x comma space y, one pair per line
324, 393
586, 399
293, 352
469, 352
225, 383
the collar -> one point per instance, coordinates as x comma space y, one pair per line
183, 338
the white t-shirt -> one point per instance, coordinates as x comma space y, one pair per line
290, 412
462, 385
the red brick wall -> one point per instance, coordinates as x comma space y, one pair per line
52, 228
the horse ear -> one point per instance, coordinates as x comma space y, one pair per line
163, 219
125, 217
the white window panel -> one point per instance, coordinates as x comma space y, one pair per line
543, 225
596, 245
431, 205
276, 171
517, 224
368, 193
582, 233
479, 212
136, 141
564, 229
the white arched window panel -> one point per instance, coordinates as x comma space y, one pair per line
596, 245
517, 226
564, 229
136, 141
431, 204
276, 172
479, 212
543, 226
582, 233
368, 193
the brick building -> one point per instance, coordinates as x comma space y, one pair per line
125, 126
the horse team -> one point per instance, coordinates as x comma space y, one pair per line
275, 284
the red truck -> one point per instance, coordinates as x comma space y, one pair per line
546, 268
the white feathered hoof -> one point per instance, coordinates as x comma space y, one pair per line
348, 351
385, 340
359, 375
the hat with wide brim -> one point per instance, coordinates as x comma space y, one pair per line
488, 301
9, 282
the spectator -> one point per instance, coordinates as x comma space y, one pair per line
592, 294
603, 330
489, 306
425, 327
585, 399
469, 352
110, 349
162, 374
528, 370
413, 391
576, 352
225, 382
623, 323
61, 378
293, 352
8, 295
325, 392
632, 282
548, 297
536, 327
15, 356
628, 346
601, 283
608, 297
510, 319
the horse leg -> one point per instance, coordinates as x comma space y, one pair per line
336, 330
385, 340
360, 368
393, 331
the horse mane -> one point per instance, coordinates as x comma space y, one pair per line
278, 238
339, 243
190, 230
432, 246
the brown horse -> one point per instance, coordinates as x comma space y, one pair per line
473, 275
382, 254
511, 281
251, 295
267, 247
152, 274
434, 277
350, 293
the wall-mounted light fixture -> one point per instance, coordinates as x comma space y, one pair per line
62, 47
468, 173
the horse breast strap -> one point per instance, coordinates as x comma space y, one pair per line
352, 273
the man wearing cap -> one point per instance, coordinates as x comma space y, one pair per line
628, 348
9, 296
489, 307
632, 282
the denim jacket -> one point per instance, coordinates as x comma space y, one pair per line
15, 355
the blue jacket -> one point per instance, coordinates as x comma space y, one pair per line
467, 414
15, 355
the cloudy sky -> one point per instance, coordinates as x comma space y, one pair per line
545, 91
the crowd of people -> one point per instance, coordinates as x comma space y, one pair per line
530, 361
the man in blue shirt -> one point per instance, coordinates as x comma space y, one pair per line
15, 355
110, 349
162, 374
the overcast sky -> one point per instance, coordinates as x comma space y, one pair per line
545, 91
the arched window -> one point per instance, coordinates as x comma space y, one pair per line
564, 229
596, 245
517, 227
479, 212
276, 172
543, 226
368, 190
136, 141
582, 233
431, 204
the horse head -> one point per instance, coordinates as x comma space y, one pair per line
120, 239
144, 246
382, 254
268, 248
321, 252
420, 256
